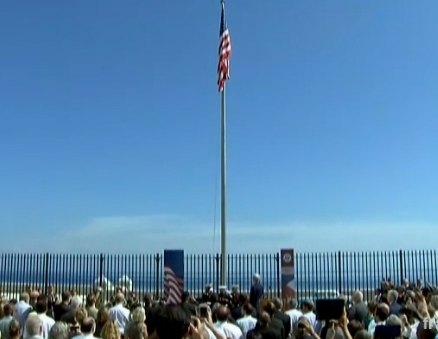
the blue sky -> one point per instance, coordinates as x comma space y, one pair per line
109, 125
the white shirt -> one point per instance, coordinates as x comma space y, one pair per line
312, 318
85, 336
411, 332
246, 324
120, 315
294, 315
47, 324
230, 331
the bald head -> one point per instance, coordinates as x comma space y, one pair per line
34, 326
88, 325
222, 313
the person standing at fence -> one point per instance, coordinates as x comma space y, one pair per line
382, 313
46, 321
247, 322
394, 306
63, 307
358, 311
307, 309
91, 306
257, 292
293, 313
22, 309
33, 328
120, 313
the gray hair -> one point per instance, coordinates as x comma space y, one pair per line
138, 315
75, 302
293, 304
358, 296
24, 297
59, 331
392, 295
33, 325
256, 277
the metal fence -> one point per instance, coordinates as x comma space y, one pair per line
336, 272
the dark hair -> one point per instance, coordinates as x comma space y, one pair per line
172, 322
8, 310
14, 328
354, 326
243, 298
269, 308
382, 312
66, 295
91, 299
372, 306
185, 296
308, 304
41, 305
247, 308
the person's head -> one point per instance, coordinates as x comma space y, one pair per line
34, 295
292, 304
363, 334
243, 298
102, 316
278, 303
75, 302
393, 320
382, 312
80, 315
66, 297
139, 315
372, 306
148, 299
41, 305
357, 297
247, 309
91, 300
307, 306
222, 313
14, 329
354, 326
88, 325
392, 296
269, 307
120, 298
110, 331
59, 331
256, 278
8, 310
185, 296
424, 332
25, 297
299, 329
264, 319
172, 322
34, 327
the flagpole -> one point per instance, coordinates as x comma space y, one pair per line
223, 189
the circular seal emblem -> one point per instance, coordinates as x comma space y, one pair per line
287, 258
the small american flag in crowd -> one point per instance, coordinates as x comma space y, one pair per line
173, 276
223, 68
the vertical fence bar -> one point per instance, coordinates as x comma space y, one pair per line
340, 272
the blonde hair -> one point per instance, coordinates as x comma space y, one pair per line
110, 331
138, 315
80, 315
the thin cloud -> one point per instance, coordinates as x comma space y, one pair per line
152, 234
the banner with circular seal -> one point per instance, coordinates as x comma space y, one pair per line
287, 273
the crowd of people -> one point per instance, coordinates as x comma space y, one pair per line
413, 310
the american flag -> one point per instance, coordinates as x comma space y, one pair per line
223, 68
173, 275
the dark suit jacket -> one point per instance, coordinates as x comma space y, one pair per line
395, 309
358, 312
265, 333
189, 308
69, 317
151, 313
60, 310
285, 319
255, 295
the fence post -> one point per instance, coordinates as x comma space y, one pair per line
46, 273
157, 276
101, 270
279, 292
402, 267
218, 271
340, 272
